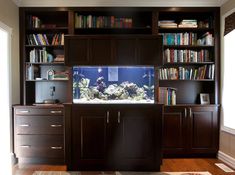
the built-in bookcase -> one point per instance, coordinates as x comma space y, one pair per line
190, 59
190, 45
42, 54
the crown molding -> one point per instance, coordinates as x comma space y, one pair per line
120, 3
17, 2
221, 2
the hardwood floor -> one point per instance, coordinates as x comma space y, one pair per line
179, 164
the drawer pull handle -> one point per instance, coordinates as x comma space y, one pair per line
56, 112
56, 147
119, 116
55, 126
25, 146
24, 111
107, 115
24, 125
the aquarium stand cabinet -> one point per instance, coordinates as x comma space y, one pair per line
114, 137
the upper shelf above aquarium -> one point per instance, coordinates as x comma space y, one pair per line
113, 84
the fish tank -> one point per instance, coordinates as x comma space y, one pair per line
113, 84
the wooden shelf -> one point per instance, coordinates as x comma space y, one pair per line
133, 30
59, 46
206, 80
47, 29
188, 64
188, 47
53, 63
45, 80
170, 30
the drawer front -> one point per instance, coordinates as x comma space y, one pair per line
39, 111
39, 124
45, 146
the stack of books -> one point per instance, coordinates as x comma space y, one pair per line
188, 23
166, 95
167, 24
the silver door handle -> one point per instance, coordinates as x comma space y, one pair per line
55, 126
24, 125
119, 116
25, 146
56, 147
24, 111
190, 112
185, 112
107, 115
56, 112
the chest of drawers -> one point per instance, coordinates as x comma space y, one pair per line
39, 134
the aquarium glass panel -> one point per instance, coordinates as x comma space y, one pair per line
113, 84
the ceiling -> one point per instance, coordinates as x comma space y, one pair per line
129, 3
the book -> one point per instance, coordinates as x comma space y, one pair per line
166, 95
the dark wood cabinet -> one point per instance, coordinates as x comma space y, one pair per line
113, 50
125, 50
190, 130
150, 51
39, 134
115, 137
77, 50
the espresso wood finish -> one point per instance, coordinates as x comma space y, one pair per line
39, 134
115, 137
113, 50
125, 51
190, 130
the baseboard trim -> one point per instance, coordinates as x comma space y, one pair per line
226, 159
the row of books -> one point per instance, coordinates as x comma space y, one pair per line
186, 56
179, 38
206, 39
166, 95
182, 73
185, 23
90, 21
38, 56
187, 38
33, 22
45, 39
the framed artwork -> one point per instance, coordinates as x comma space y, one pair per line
204, 99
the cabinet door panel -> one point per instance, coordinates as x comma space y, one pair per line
100, 51
140, 137
174, 130
125, 51
76, 51
204, 129
150, 51
88, 137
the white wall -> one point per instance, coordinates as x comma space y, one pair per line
9, 15
227, 140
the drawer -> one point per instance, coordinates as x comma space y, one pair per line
39, 146
39, 124
38, 111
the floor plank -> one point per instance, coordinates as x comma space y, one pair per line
169, 165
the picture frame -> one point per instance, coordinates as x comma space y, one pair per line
204, 98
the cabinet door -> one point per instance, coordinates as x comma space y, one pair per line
203, 129
76, 51
150, 51
138, 138
125, 51
174, 130
89, 130
100, 51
